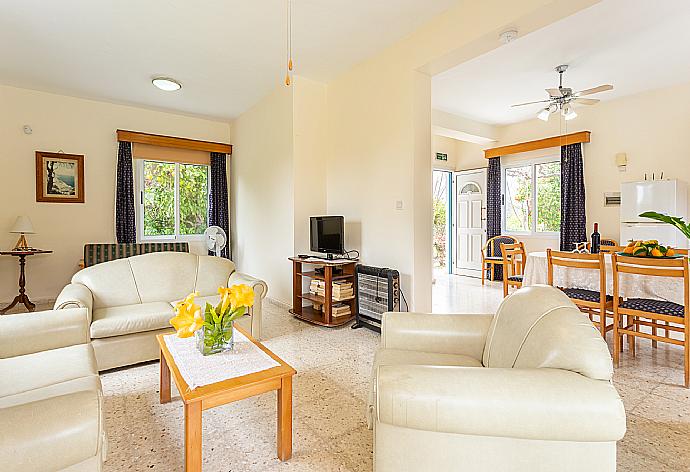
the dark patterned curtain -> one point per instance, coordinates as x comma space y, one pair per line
493, 206
218, 198
573, 220
125, 217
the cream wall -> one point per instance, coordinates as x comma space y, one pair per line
644, 126
262, 191
380, 131
75, 126
471, 155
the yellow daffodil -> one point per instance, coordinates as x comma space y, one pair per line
188, 317
241, 296
224, 298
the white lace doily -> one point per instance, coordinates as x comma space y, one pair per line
199, 370
631, 285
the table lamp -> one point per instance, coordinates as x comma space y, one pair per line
22, 226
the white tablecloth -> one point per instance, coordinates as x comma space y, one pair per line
199, 370
631, 285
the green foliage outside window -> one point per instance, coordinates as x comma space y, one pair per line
520, 202
159, 198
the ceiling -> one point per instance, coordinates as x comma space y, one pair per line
635, 45
228, 54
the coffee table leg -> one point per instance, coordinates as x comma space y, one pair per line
165, 381
284, 433
192, 437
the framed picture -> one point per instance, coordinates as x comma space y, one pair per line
59, 177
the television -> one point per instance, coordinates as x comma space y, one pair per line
327, 235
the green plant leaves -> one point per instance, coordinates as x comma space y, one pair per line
672, 220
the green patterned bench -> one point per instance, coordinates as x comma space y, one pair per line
97, 253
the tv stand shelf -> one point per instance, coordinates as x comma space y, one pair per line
309, 313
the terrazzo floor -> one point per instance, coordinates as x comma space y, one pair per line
330, 391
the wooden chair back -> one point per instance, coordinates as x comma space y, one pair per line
608, 242
492, 247
514, 258
578, 261
610, 249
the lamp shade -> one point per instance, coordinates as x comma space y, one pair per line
22, 225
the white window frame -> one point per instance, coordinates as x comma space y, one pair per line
139, 193
525, 163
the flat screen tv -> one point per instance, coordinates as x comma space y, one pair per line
328, 235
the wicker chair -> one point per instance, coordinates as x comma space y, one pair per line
491, 254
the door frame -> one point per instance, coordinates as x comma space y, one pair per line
453, 233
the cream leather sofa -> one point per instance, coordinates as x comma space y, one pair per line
528, 389
130, 301
51, 405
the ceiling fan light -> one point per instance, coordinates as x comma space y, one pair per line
544, 114
569, 112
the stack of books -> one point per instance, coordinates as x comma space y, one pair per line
342, 290
340, 309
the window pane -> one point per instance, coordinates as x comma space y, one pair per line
159, 198
518, 198
549, 197
193, 199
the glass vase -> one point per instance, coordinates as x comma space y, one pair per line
212, 341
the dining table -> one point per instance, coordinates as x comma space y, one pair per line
630, 285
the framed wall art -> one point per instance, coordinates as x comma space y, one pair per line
59, 177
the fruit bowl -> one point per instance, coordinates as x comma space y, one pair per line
650, 248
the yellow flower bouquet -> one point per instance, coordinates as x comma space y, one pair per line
213, 327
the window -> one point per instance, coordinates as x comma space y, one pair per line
532, 197
173, 200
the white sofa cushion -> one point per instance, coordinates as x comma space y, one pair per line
121, 320
46, 368
163, 276
111, 283
213, 272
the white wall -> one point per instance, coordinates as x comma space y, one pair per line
75, 126
447, 146
262, 191
650, 127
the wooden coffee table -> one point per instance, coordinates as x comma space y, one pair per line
202, 398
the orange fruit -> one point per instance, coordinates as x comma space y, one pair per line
670, 252
629, 250
656, 252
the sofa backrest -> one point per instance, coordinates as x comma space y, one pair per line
96, 253
155, 277
540, 327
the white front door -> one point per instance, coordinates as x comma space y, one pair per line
470, 221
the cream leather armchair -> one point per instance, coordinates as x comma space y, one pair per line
130, 301
527, 389
51, 405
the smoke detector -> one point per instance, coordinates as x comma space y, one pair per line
508, 36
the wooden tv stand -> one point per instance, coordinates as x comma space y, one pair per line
309, 313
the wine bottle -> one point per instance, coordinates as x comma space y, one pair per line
596, 240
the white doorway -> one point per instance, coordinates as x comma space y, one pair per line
469, 225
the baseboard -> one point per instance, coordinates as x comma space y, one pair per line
41, 303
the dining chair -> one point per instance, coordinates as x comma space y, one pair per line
649, 312
514, 259
608, 242
491, 254
592, 302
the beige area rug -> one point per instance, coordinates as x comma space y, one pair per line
330, 392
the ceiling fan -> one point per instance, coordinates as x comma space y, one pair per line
562, 98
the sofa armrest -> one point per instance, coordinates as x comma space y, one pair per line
443, 334
51, 434
259, 286
74, 295
26, 333
544, 404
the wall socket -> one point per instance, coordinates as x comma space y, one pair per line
399, 205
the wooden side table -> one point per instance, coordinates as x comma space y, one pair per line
22, 297
325, 316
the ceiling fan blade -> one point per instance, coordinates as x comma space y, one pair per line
554, 92
586, 101
601, 88
530, 103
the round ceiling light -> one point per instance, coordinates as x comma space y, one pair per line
166, 83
